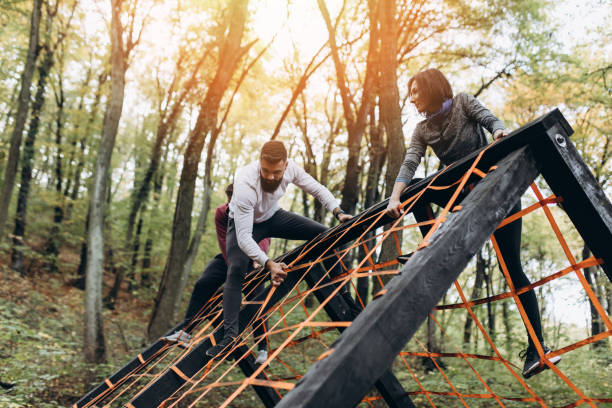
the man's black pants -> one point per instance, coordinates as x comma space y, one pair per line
283, 224
213, 276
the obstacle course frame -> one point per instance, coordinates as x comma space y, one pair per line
387, 324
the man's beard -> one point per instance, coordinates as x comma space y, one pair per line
270, 186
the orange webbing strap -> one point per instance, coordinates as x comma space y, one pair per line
592, 261
472, 396
364, 271
325, 354
492, 344
366, 249
517, 301
442, 217
465, 359
416, 379
584, 342
549, 200
178, 372
313, 335
568, 253
398, 247
379, 294
268, 383
142, 360
479, 173
309, 324
431, 354
109, 383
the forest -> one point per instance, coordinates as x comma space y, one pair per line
123, 121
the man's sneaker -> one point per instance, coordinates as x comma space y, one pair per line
223, 345
262, 356
533, 365
179, 336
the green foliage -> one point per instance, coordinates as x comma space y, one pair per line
472, 41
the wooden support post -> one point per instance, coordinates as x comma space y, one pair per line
369, 346
340, 309
584, 201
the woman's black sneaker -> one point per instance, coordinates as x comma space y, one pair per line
533, 365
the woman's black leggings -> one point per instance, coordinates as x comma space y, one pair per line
509, 241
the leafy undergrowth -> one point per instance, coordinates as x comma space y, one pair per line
41, 334
41, 338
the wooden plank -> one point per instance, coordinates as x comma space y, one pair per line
339, 309
371, 343
132, 367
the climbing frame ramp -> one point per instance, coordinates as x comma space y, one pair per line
327, 352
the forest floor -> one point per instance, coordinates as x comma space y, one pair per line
41, 338
41, 351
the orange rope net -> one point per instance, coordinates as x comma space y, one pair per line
485, 374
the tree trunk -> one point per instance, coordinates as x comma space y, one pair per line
390, 113
433, 346
201, 225
334, 129
589, 274
476, 292
355, 122
21, 116
94, 348
54, 243
75, 137
79, 282
145, 276
27, 162
7, 120
377, 154
230, 53
93, 114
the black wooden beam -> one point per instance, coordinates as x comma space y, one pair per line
169, 382
133, 367
583, 198
369, 346
343, 308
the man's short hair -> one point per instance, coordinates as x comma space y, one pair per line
273, 151
229, 190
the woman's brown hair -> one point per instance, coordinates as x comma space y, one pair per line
434, 88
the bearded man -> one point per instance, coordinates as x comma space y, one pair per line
254, 214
